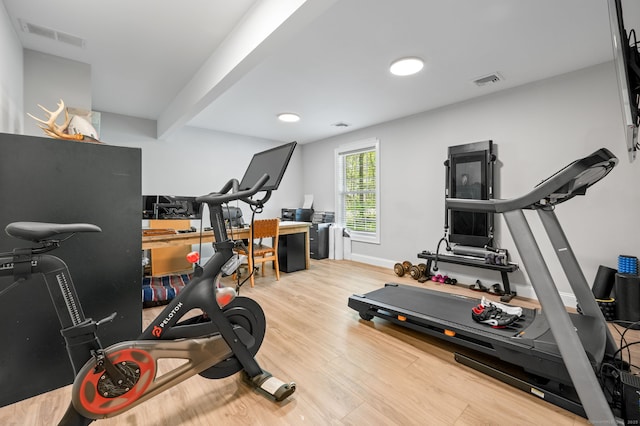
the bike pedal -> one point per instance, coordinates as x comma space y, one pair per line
233, 264
110, 318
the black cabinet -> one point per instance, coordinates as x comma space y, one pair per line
319, 240
47, 180
291, 252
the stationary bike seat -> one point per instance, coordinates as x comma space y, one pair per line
40, 231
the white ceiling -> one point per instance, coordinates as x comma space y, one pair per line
232, 65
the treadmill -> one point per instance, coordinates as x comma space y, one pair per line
563, 351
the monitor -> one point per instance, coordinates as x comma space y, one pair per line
273, 162
233, 216
627, 62
170, 207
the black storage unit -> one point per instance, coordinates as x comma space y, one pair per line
47, 180
291, 254
319, 240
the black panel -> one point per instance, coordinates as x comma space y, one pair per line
470, 176
48, 180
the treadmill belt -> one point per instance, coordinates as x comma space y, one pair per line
443, 307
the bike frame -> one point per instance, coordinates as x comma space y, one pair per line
204, 343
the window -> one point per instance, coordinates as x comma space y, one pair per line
358, 189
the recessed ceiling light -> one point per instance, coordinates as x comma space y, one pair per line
288, 117
406, 66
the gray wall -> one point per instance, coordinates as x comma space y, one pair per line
47, 79
11, 77
538, 129
195, 161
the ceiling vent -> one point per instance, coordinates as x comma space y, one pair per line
489, 79
49, 33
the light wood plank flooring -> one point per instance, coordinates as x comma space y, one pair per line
348, 371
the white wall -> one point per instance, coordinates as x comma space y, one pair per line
538, 129
195, 162
11, 77
48, 79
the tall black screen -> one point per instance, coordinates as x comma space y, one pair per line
470, 177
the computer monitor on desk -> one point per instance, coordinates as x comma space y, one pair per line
233, 215
170, 207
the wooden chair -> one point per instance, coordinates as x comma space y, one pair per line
259, 252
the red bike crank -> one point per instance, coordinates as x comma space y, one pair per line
97, 395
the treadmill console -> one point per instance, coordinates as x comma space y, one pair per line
575, 178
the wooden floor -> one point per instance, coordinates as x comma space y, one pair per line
348, 371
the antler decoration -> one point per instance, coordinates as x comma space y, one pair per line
57, 131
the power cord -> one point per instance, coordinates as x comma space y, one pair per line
255, 209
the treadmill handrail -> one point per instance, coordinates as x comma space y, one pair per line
553, 190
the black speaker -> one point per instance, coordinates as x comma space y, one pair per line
628, 300
603, 283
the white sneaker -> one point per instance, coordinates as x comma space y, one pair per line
511, 310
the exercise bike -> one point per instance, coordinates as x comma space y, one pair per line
217, 343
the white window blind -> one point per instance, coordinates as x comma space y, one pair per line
357, 192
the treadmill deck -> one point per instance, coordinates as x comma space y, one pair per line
436, 305
448, 316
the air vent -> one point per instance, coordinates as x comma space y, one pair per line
52, 34
489, 79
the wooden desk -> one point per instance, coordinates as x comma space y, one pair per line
167, 260
190, 238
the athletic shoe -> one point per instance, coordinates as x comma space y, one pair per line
493, 316
511, 310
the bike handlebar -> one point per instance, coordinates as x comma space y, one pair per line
233, 185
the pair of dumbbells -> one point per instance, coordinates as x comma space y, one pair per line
443, 279
416, 271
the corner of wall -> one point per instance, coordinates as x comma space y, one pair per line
11, 77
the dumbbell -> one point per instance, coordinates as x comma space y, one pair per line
402, 268
416, 271
443, 279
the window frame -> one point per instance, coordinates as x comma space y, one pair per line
371, 144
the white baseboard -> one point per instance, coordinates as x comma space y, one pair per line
568, 299
375, 261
